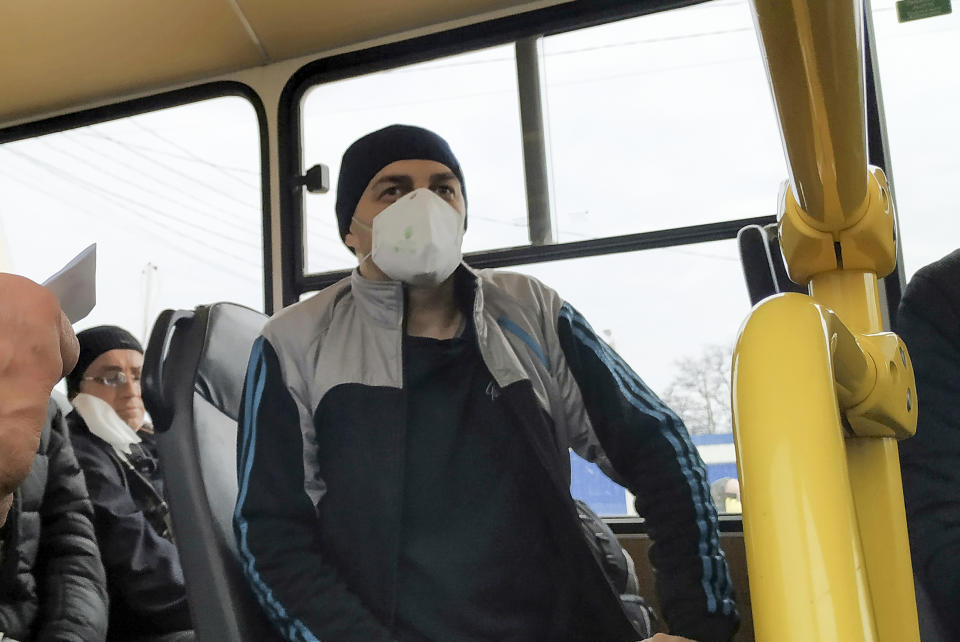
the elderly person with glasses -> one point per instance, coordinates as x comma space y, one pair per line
144, 578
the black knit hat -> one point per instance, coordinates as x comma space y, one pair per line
93, 343
367, 156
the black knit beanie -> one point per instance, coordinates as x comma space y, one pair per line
93, 343
367, 156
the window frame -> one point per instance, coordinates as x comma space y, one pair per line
166, 100
553, 20
545, 22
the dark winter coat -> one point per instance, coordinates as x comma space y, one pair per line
144, 577
929, 323
52, 584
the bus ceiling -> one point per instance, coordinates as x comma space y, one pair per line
78, 54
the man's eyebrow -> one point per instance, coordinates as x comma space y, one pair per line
443, 176
397, 179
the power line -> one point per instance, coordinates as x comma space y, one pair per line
135, 123
95, 215
120, 199
242, 241
171, 169
153, 150
229, 218
426, 67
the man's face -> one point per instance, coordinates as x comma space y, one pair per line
391, 183
124, 399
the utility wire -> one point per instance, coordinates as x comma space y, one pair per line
229, 216
172, 170
83, 131
96, 215
119, 199
244, 242
199, 159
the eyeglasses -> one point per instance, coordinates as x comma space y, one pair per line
115, 379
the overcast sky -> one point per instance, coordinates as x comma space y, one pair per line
655, 122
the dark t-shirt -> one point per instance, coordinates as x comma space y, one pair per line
475, 559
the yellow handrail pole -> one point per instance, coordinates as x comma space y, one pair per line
836, 232
814, 59
807, 579
874, 468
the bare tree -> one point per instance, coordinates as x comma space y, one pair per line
700, 391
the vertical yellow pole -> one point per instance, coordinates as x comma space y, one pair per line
874, 469
836, 234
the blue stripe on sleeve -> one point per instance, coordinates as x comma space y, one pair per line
507, 324
293, 628
643, 399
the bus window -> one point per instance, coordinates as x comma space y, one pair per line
469, 99
921, 91
661, 121
171, 197
672, 314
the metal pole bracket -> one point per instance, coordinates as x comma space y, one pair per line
890, 410
866, 244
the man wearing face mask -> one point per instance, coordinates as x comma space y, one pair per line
404, 434
144, 578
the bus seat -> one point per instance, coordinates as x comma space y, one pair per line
763, 267
193, 376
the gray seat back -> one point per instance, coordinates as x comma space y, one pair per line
763, 267
193, 374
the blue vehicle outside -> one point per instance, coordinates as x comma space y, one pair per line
587, 481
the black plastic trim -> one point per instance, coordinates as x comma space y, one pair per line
578, 14
728, 524
527, 254
165, 100
877, 154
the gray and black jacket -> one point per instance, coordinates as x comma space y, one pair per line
320, 454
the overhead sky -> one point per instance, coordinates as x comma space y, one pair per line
655, 122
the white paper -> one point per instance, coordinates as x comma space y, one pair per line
75, 286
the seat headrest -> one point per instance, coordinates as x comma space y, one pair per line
229, 335
762, 260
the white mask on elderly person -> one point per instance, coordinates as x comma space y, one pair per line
417, 239
104, 422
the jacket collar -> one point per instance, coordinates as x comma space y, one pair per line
382, 301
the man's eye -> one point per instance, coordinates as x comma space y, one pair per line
444, 190
390, 192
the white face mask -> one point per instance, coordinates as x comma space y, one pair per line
105, 423
417, 239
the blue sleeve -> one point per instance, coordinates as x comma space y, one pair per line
650, 450
275, 521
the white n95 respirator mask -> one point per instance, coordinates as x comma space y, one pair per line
417, 239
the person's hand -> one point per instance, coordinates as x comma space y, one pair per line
37, 348
663, 637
